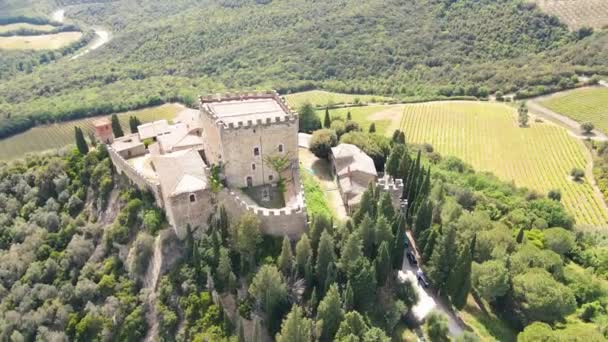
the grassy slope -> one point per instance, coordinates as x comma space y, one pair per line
586, 104
54, 136
184, 47
486, 136
21, 26
320, 98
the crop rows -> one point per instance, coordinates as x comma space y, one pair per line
578, 13
487, 137
585, 104
59, 135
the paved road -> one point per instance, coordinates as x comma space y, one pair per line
427, 301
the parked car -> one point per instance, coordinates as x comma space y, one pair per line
411, 258
422, 278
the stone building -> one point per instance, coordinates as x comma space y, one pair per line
239, 133
354, 171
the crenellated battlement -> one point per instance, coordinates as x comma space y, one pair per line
390, 184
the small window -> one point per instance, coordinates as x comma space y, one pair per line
281, 148
253, 166
270, 178
192, 198
256, 151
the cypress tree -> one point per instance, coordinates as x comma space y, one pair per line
367, 233
404, 165
313, 302
349, 117
327, 119
395, 137
351, 251
383, 264
520, 236
116, 128
398, 243
442, 260
349, 297
424, 218
330, 313
382, 232
286, 258
461, 284
364, 284
402, 138
385, 206
303, 253
320, 223
133, 123
372, 128
429, 244
295, 327
325, 257
393, 161
81, 144
330, 276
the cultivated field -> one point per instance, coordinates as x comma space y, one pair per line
324, 98
40, 42
486, 136
585, 104
386, 117
55, 136
578, 13
20, 26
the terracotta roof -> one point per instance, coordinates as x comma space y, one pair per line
180, 172
101, 122
349, 158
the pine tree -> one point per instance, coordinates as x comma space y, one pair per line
383, 264
81, 144
296, 327
330, 314
460, 284
327, 119
286, 258
134, 123
398, 243
303, 253
393, 161
325, 256
385, 206
372, 128
366, 231
351, 251
116, 128
442, 260
349, 297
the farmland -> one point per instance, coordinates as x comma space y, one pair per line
486, 136
585, 104
320, 98
25, 26
40, 42
55, 136
578, 13
386, 117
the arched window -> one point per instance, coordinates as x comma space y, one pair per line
249, 182
192, 198
270, 178
253, 166
256, 151
281, 148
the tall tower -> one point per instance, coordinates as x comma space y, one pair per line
103, 130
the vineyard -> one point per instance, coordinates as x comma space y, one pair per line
585, 104
487, 137
320, 98
55, 136
578, 13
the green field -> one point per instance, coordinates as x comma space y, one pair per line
487, 136
386, 117
585, 104
41, 42
20, 26
55, 136
321, 98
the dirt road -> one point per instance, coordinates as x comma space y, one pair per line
103, 36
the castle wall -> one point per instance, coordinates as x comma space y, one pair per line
181, 212
394, 187
239, 144
123, 167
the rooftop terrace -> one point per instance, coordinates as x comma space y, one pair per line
243, 108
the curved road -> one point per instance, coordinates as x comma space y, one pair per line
102, 36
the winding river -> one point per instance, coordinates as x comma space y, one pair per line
102, 36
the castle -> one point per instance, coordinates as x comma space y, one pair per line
247, 142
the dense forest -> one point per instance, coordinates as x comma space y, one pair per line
172, 51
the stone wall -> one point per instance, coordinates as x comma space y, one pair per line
181, 212
392, 186
123, 167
